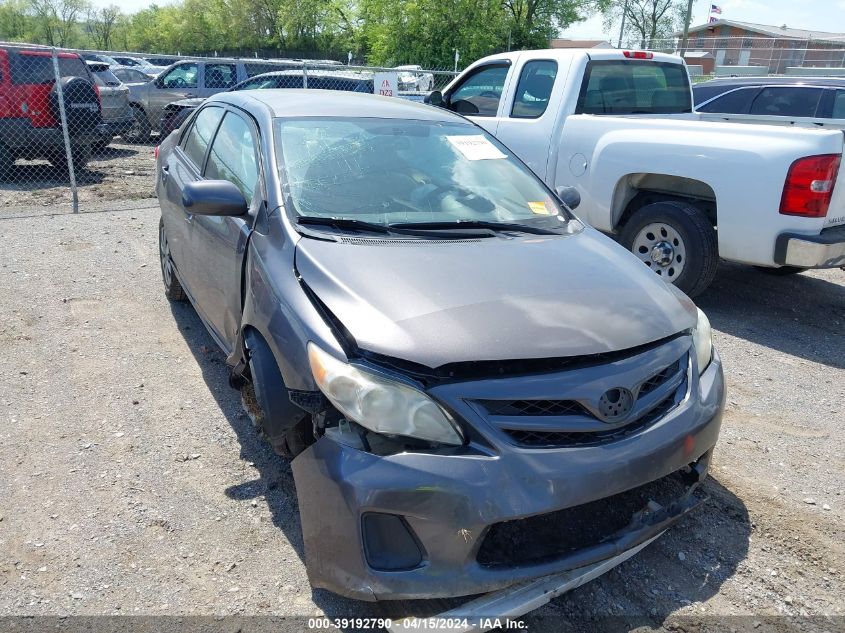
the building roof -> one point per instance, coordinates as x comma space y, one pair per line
562, 43
768, 30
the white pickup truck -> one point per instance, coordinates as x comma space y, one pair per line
678, 191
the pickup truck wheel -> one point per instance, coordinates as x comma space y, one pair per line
172, 288
286, 427
676, 241
140, 130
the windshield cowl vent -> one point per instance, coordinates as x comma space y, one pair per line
379, 241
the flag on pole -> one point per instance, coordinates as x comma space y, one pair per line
715, 9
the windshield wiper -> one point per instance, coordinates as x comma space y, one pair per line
460, 225
343, 223
468, 230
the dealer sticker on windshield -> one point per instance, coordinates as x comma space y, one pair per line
475, 147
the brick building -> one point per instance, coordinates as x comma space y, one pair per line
776, 48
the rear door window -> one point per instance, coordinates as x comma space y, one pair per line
38, 69
634, 87
733, 102
534, 89
220, 76
787, 101
480, 93
197, 139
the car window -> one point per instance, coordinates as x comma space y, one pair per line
183, 76
839, 105
733, 102
233, 155
634, 87
38, 68
787, 101
480, 93
197, 139
219, 76
534, 89
106, 78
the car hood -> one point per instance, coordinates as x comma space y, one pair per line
435, 302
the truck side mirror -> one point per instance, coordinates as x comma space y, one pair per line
435, 98
568, 196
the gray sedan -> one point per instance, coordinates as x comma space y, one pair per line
474, 387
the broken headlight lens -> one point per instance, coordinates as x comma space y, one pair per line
702, 340
380, 404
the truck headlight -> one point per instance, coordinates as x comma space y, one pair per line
379, 404
702, 340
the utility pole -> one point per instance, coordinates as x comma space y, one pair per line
686, 28
622, 28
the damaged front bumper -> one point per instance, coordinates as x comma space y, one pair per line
427, 525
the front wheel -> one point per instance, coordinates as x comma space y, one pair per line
141, 129
676, 241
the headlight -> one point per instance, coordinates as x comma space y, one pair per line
702, 339
379, 404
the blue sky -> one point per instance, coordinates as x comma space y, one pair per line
818, 15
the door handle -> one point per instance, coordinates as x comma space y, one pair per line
165, 172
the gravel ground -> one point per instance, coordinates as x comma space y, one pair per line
131, 481
120, 171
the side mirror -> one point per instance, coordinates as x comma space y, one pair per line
435, 98
158, 82
213, 197
569, 196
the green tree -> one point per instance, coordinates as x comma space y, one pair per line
57, 20
646, 21
102, 25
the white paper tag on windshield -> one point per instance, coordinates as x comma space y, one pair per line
475, 147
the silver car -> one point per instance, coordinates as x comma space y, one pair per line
117, 113
474, 387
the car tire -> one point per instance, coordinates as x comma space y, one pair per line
80, 155
7, 163
675, 240
783, 271
172, 288
286, 427
141, 129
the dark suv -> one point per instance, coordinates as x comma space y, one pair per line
29, 107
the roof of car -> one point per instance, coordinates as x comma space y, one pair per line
773, 81
294, 103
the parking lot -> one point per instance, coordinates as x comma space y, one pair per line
131, 481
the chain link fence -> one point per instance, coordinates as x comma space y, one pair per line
79, 130
711, 55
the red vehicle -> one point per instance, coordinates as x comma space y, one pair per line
30, 122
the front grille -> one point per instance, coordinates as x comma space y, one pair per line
558, 439
533, 407
658, 379
551, 536
538, 434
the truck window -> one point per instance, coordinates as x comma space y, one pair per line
534, 89
733, 102
219, 76
634, 87
787, 101
37, 68
839, 105
480, 92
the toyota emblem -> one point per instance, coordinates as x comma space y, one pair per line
615, 404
